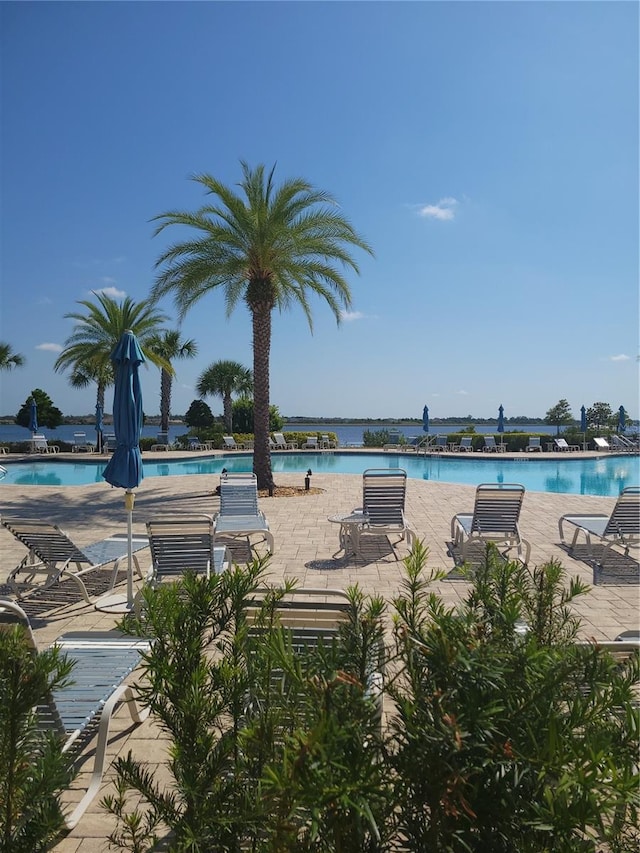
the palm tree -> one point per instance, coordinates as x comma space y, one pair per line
223, 379
87, 352
269, 247
170, 347
8, 358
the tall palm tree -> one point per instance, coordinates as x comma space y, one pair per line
223, 379
269, 247
8, 358
87, 352
169, 346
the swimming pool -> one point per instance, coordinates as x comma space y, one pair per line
604, 476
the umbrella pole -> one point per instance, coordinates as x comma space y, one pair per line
129, 500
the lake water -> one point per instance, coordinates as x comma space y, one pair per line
603, 477
349, 435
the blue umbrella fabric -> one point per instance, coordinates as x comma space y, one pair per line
583, 419
99, 425
425, 419
622, 419
125, 466
501, 418
33, 419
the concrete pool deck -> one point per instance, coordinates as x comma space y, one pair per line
305, 545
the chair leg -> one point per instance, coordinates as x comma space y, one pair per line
125, 692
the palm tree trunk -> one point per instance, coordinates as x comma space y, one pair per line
165, 400
227, 403
261, 321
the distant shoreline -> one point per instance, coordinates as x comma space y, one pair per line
9, 420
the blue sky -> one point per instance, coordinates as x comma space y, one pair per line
487, 151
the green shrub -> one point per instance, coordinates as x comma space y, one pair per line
503, 733
33, 769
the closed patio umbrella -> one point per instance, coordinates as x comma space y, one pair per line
124, 469
425, 419
33, 417
622, 419
583, 426
500, 420
99, 427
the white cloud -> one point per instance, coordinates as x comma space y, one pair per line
463, 393
443, 210
49, 347
113, 292
350, 316
106, 279
620, 357
44, 300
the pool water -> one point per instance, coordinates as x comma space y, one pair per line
604, 476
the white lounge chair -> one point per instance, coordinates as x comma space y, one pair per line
601, 444
495, 518
561, 444
440, 445
311, 618
384, 492
281, 443
80, 443
39, 444
621, 444
102, 662
490, 445
534, 443
184, 544
311, 443
621, 528
466, 444
52, 553
231, 444
239, 514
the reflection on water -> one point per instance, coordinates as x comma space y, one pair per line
603, 477
38, 477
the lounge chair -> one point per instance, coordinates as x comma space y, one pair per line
103, 660
281, 443
490, 445
466, 444
601, 444
495, 518
194, 443
394, 441
80, 443
53, 554
311, 618
162, 442
383, 500
440, 445
39, 444
179, 545
110, 443
231, 444
561, 444
311, 443
534, 443
239, 514
326, 443
621, 528
621, 444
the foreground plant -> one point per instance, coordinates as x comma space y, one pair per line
33, 769
269, 749
509, 739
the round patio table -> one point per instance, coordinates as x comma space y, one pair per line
349, 533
